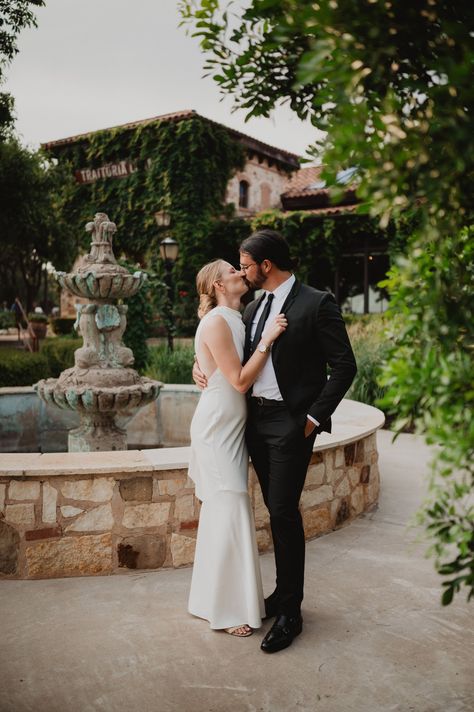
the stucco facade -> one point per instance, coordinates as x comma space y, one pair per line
266, 182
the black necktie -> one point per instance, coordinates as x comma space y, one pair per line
261, 322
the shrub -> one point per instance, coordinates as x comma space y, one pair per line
171, 366
62, 326
429, 377
59, 354
38, 318
370, 345
21, 368
7, 320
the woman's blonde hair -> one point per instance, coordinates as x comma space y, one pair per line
206, 290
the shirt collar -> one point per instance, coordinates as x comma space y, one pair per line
283, 290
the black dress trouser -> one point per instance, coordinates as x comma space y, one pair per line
280, 455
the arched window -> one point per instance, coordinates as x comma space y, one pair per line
243, 194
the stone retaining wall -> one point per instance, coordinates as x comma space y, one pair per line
56, 524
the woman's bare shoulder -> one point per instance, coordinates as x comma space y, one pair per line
214, 325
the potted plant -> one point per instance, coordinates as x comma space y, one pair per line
39, 324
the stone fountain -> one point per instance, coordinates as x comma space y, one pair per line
102, 384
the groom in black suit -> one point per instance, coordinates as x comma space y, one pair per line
311, 368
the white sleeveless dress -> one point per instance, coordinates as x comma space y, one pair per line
226, 587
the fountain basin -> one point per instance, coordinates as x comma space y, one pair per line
98, 399
93, 285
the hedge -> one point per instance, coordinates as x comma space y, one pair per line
22, 368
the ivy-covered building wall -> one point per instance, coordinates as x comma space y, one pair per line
183, 164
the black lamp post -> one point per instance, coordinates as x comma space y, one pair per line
169, 249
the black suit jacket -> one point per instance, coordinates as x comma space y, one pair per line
314, 344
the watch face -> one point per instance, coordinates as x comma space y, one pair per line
263, 349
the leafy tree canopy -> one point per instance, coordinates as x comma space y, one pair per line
390, 83
14, 16
31, 227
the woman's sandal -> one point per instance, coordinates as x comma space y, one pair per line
235, 631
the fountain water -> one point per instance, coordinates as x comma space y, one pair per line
102, 382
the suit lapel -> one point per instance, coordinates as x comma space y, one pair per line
287, 304
291, 297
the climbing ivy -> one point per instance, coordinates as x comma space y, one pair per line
182, 167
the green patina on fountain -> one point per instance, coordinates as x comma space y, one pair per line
102, 384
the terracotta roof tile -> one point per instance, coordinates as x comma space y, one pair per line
292, 159
306, 181
175, 116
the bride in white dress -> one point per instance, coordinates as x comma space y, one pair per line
226, 587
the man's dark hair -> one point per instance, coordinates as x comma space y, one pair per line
269, 245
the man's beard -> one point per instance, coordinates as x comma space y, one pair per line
258, 280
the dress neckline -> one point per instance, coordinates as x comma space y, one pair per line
228, 310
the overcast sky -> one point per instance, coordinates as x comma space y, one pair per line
92, 64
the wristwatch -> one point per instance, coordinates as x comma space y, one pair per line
263, 348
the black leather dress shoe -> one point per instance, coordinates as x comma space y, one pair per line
282, 633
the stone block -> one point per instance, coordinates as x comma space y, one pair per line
335, 504
3, 489
46, 533
316, 521
339, 460
169, 487
264, 540
360, 451
70, 556
184, 508
358, 500
138, 489
311, 498
23, 490
333, 474
50, 498
317, 458
370, 444
182, 549
372, 490
9, 549
69, 511
354, 476
365, 474
316, 474
343, 512
191, 525
20, 514
343, 488
94, 520
146, 515
94, 489
141, 552
349, 454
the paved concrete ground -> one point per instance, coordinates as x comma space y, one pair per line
375, 636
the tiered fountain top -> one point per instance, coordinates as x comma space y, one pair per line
102, 382
98, 276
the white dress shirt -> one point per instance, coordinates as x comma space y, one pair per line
266, 385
